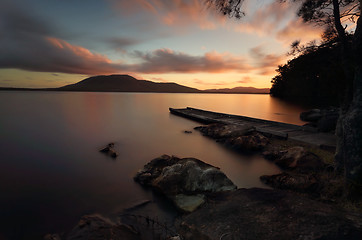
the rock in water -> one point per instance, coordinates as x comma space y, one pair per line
184, 181
109, 150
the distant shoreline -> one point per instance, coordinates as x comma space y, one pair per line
60, 90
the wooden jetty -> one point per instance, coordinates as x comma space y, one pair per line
303, 134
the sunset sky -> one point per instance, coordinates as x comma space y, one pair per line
51, 43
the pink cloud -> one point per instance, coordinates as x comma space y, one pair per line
299, 30
175, 12
246, 79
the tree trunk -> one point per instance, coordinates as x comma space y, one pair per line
349, 127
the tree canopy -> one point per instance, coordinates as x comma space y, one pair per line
315, 77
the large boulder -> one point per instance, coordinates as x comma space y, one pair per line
255, 213
184, 181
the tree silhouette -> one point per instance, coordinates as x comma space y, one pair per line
314, 77
333, 14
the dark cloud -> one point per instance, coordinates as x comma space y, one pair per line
16, 21
27, 42
123, 42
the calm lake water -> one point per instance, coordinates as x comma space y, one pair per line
51, 172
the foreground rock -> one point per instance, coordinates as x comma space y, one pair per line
97, 227
268, 214
184, 181
305, 183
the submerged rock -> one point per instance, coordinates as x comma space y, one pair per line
189, 203
185, 181
109, 150
256, 213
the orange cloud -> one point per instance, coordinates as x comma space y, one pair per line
265, 64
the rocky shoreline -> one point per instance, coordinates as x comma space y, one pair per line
306, 201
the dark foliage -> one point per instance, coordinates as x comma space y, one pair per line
316, 77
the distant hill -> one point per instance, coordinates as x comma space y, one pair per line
125, 83
239, 90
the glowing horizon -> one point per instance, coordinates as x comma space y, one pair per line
52, 44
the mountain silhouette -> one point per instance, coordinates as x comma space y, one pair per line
239, 90
125, 83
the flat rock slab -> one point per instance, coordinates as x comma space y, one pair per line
268, 214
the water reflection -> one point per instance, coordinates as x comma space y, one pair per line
52, 172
